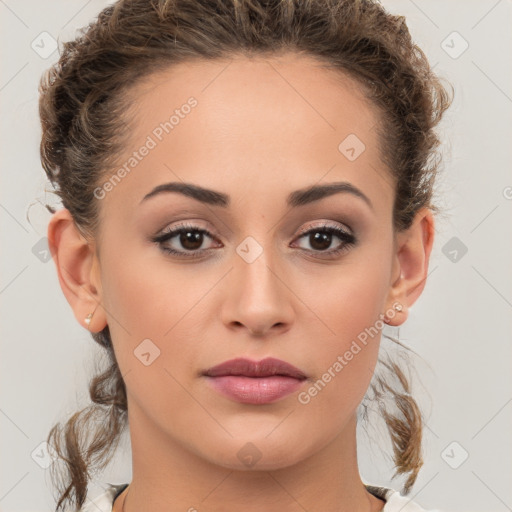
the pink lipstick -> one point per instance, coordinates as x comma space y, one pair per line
255, 382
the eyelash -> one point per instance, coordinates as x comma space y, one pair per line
348, 239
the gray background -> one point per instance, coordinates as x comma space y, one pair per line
461, 325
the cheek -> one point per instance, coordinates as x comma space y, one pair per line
152, 308
149, 308
349, 301
148, 295
344, 361
349, 306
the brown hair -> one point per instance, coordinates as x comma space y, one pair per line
83, 100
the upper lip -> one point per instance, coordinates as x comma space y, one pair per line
264, 368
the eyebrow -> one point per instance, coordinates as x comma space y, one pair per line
295, 199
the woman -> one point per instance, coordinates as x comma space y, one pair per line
247, 192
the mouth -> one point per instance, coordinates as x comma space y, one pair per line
268, 367
255, 382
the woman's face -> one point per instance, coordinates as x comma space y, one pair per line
247, 282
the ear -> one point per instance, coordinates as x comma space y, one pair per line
77, 269
410, 266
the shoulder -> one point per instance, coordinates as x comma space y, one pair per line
103, 502
396, 502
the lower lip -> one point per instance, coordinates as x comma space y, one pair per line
255, 390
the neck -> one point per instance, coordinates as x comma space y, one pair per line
168, 477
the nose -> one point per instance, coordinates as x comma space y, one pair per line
257, 298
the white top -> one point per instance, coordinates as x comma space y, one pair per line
395, 502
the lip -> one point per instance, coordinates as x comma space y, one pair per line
255, 382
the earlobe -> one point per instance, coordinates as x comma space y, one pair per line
412, 258
76, 265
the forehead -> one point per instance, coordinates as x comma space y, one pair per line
242, 124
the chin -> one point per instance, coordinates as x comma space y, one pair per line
260, 453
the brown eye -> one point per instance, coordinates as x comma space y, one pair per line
320, 238
191, 240
188, 242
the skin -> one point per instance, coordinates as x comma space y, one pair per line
262, 129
